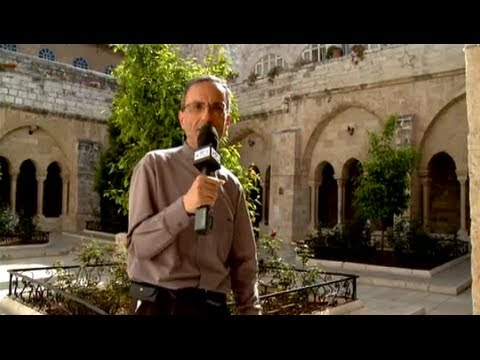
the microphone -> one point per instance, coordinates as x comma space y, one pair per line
206, 160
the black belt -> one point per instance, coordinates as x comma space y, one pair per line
157, 294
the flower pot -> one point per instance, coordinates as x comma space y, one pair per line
336, 53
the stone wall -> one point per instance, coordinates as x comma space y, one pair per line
52, 112
88, 158
423, 84
98, 56
34, 84
401, 63
472, 61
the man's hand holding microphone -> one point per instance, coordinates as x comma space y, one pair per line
203, 192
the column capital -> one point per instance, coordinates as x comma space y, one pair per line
41, 177
462, 175
462, 179
426, 181
314, 182
65, 176
423, 173
340, 181
14, 174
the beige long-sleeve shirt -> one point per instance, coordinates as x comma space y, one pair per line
163, 248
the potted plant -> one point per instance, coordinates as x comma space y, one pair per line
252, 78
334, 52
357, 53
274, 71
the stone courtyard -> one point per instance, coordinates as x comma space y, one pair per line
309, 121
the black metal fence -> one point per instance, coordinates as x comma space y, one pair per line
108, 227
40, 237
36, 288
70, 290
329, 289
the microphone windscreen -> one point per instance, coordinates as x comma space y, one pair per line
207, 135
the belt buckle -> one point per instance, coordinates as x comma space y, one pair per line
209, 298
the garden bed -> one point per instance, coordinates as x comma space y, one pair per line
87, 290
382, 258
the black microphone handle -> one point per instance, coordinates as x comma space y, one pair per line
203, 220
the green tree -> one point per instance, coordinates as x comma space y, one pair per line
383, 188
151, 79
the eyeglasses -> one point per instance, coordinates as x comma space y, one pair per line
198, 107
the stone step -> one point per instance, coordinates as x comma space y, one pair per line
409, 310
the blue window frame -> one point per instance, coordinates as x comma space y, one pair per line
47, 54
11, 47
80, 62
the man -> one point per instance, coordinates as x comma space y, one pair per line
174, 269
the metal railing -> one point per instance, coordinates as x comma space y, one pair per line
329, 289
50, 290
40, 291
39, 237
108, 227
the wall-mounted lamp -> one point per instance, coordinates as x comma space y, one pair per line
250, 142
350, 130
32, 129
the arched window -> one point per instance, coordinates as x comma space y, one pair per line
11, 47
109, 69
80, 62
46, 54
315, 53
267, 63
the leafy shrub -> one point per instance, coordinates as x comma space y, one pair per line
8, 221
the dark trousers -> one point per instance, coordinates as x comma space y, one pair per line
183, 302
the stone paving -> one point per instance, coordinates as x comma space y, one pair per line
382, 300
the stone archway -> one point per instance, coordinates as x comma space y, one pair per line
351, 172
52, 193
5, 182
444, 214
355, 117
327, 199
26, 197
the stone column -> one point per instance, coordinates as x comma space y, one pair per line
65, 194
13, 190
472, 79
426, 182
340, 200
462, 179
40, 182
283, 180
314, 203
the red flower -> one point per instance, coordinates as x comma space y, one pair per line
273, 234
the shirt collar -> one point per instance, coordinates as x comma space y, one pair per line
187, 151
